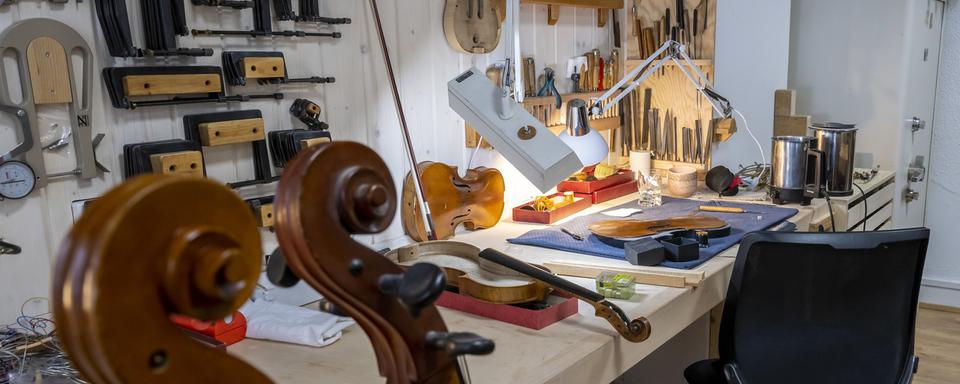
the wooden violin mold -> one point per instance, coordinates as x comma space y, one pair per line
473, 26
328, 193
475, 200
471, 275
152, 247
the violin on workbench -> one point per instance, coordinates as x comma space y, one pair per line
474, 201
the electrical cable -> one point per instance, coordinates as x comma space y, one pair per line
474, 154
833, 223
865, 210
763, 156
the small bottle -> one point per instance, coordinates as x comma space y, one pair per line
650, 194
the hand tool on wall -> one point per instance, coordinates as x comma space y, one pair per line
529, 76
48, 78
308, 113
285, 145
310, 12
235, 4
125, 83
229, 128
7, 248
167, 157
263, 26
115, 25
549, 87
265, 67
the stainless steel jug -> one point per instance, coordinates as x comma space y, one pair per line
837, 142
795, 175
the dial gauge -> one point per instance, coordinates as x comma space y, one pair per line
17, 180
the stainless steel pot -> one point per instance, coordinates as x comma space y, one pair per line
837, 142
795, 176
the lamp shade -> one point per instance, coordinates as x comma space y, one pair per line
587, 143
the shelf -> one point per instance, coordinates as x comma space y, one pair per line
600, 4
634, 61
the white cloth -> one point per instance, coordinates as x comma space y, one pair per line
290, 324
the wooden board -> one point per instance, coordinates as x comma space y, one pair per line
673, 91
186, 163
232, 132
645, 275
146, 85
263, 67
265, 216
49, 72
310, 143
638, 228
785, 120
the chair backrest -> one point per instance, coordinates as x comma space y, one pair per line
824, 307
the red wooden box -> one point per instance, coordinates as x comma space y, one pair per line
614, 192
227, 333
593, 186
530, 216
561, 307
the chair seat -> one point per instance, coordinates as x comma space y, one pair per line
705, 372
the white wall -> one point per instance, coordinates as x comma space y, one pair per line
753, 39
942, 272
846, 64
358, 107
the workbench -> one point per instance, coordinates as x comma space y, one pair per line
580, 349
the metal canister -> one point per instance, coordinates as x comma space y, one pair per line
837, 142
795, 175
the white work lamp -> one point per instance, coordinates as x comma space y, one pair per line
588, 144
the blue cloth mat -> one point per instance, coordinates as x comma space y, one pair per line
740, 224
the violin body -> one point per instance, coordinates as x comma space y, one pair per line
473, 26
152, 247
620, 229
474, 201
471, 275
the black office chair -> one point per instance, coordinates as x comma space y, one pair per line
820, 308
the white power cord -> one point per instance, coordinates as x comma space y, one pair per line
763, 156
474, 154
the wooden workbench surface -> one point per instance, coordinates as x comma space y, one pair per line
579, 349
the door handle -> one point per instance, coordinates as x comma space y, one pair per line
911, 195
916, 124
916, 171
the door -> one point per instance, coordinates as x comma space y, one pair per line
923, 39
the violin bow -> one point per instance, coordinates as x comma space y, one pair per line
421, 195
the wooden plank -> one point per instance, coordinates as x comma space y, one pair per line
784, 102
231, 132
186, 163
263, 67
265, 216
49, 72
790, 125
310, 143
644, 275
608, 4
603, 15
553, 14
146, 85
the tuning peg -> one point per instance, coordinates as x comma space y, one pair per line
416, 288
460, 343
278, 272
